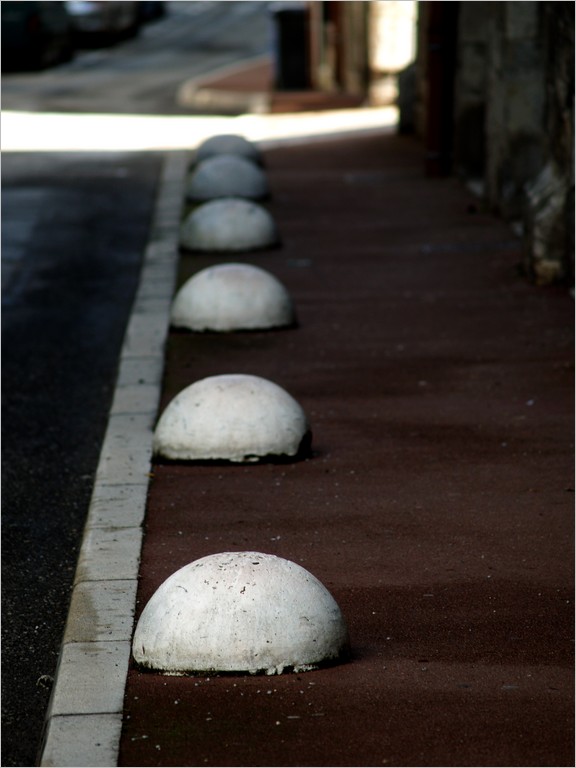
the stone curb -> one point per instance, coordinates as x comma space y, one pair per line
84, 718
197, 92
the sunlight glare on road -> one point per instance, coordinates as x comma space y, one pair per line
51, 132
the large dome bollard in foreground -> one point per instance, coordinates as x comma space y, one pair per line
232, 297
228, 144
232, 417
240, 612
229, 225
227, 176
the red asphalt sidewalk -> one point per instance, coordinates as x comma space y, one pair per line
437, 504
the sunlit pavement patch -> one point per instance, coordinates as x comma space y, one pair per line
54, 132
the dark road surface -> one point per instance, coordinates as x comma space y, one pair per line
74, 230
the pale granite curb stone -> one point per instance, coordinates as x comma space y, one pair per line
84, 719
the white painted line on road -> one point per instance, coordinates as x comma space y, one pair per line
84, 720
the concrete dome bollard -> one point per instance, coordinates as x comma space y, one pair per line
228, 224
232, 297
227, 176
232, 417
240, 612
228, 144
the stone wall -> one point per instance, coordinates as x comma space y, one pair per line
549, 213
514, 122
470, 90
339, 48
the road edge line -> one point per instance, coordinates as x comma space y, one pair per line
84, 716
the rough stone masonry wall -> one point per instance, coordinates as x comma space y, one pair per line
550, 204
515, 136
471, 90
514, 122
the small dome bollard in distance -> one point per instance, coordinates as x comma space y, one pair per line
229, 225
228, 144
232, 417
227, 176
232, 297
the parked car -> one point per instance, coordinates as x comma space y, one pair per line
151, 10
103, 19
35, 34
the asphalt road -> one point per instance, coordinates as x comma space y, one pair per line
73, 235
74, 230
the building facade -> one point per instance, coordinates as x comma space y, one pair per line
488, 87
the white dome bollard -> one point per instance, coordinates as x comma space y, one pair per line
233, 417
232, 297
228, 224
228, 144
240, 612
227, 176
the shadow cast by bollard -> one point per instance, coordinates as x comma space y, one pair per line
304, 452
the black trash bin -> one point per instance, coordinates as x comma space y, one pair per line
291, 55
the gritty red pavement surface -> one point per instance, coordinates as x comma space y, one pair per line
436, 506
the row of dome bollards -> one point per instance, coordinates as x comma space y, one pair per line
243, 612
